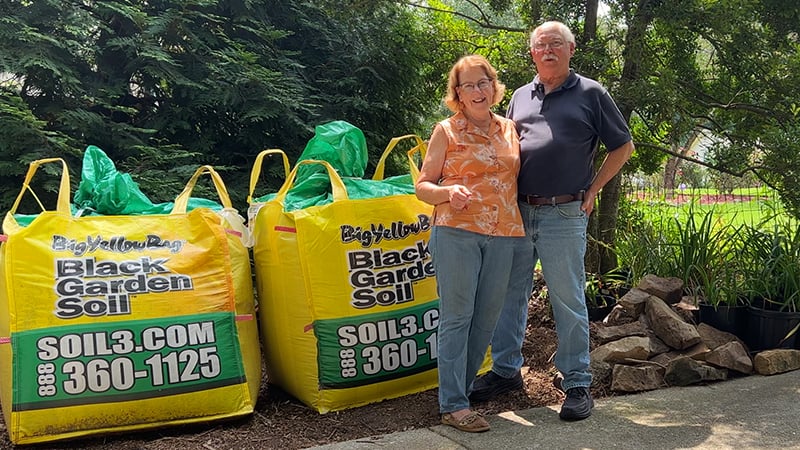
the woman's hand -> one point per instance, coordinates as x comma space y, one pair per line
459, 197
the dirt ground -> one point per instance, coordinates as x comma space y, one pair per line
281, 422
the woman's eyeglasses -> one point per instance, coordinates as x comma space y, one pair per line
483, 85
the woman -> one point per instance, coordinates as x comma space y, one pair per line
470, 175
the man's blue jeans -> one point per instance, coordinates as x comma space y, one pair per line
472, 275
557, 238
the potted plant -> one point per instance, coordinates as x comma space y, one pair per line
722, 302
773, 287
595, 304
602, 291
702, 253
700, 249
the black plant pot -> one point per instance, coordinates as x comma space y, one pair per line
768, 329
597, 314
605, 305
730, 318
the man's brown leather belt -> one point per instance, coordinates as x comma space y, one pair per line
554, 200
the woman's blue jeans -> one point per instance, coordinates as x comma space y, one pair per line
472, 275
557, 238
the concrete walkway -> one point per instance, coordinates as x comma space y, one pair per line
755, 412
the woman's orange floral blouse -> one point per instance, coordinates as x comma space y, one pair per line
488, 165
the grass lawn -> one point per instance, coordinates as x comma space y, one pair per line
751, 206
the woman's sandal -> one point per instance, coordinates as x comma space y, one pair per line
471, 423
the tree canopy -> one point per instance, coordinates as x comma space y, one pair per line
162, 86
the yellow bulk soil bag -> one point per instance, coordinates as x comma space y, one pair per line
114, 323
348, 309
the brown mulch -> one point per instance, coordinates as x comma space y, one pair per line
281, 422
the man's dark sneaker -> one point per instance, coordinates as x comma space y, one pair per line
578, 404
492, 384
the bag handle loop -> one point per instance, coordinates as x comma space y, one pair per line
182, 201
62, 204
337, 185
413, 169
255, 172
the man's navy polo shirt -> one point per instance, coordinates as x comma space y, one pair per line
559, 133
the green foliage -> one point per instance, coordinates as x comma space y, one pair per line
164, 86
606, 289
160, 87
780, 156
450, 36
726, 70
24, 139
362, 68
699, 247
641, 244
720, 261
772, 256
701, 252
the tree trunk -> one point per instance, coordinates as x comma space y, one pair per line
607, 223
670, 172
608, 207
590, 23
592, 258
674, 163
591, 261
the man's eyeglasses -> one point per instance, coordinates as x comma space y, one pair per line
483, 85
555, 45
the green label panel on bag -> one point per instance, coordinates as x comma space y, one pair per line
122, 361
361, 350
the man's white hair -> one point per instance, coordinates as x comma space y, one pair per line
564, 30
